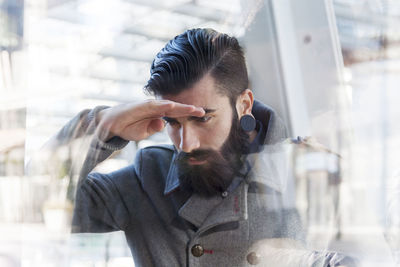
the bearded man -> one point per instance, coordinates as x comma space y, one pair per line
214, 195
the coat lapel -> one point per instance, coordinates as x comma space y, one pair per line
197, 208
208, 212
232, 208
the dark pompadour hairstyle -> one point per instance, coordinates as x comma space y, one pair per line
191, 55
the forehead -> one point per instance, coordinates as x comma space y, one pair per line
202, 94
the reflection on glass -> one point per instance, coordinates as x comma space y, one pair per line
328, 68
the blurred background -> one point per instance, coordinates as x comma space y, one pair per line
330, 68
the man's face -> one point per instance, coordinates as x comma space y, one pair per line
209, 147
207, 132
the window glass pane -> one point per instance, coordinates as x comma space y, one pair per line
309, 179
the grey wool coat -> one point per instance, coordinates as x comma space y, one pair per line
165, 226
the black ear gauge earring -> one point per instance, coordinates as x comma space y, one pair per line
247, 123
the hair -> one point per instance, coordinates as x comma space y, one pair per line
193, 54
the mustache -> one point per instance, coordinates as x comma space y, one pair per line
198, 154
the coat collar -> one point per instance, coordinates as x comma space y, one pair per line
172, 181
271, 166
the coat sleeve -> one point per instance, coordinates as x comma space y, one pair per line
98, 207
101, 202
109, 202
98, 202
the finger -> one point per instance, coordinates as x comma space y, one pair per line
175, 109
154, 126
153, 109
186, 111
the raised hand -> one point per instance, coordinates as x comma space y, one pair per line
137, 121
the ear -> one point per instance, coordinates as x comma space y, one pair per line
244, 103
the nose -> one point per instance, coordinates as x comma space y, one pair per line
189, 139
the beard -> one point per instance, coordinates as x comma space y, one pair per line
215, 175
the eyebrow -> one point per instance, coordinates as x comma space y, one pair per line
190, 118
209, 110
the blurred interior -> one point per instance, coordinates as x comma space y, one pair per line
329, 68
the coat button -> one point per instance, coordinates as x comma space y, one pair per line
197, 250
253, 258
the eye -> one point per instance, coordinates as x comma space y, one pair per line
171, 122
204, 119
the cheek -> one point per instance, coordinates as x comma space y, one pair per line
226, 129
220, 133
